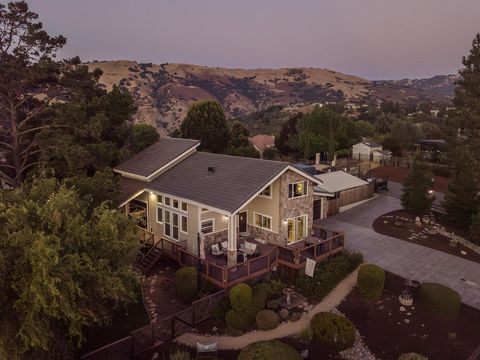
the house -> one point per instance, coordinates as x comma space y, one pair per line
381, 155
431, 150
190, 202
339, 191
364, 150
262, 142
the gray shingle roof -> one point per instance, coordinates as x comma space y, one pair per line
234, 180
156, 156
128, 188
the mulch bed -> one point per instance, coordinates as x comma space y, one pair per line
403, 232
399, 174
387, 334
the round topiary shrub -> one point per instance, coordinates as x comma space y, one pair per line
237, 319
267, 350
220, 309
440, 299
186, 282
371, 279
412, 356
267, 319
241, 296
259, 300
333, 331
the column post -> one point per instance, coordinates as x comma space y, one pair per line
232, 241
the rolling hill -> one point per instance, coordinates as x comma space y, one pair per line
164, 92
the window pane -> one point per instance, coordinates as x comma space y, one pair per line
184, 206
175, 204
184, 224
167, 217
175, 219
159, 215
160, 199
207, 227
167, 201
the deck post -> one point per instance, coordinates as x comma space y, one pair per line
232, 241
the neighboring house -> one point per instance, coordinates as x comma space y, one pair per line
364, 150
184, 198
338, 191
431, 150
262, 142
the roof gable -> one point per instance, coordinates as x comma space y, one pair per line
151, 161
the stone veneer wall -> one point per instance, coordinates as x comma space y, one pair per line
270, 237
215, 238
290, 208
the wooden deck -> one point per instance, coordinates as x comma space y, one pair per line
323, 244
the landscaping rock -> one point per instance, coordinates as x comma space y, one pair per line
399, 224
304, 354
406, 321
402, 309
284, 313
463, 252
214, 329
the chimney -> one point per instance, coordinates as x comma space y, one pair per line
317, 159
211, 171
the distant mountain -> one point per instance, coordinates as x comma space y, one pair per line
164, 92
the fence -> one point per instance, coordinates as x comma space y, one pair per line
350, 196
159, 331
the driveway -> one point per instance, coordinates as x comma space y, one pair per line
401, 257
395, 190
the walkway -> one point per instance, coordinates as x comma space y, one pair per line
401, 257
331, 301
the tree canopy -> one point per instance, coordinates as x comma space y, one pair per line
416, 197
62, 268
205, 121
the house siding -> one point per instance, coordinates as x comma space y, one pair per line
290, 208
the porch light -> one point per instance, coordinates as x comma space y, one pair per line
225, 217
285, 222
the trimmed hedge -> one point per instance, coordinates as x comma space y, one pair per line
241, 296
186, 282
333, 331
328, 274
259, 301
239, 320
220, 309
268, 350
267, 319
371, 280
412, 356
440, 299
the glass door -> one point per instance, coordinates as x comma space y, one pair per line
291, 230
171, 225
175, 223
167, 224
297, 228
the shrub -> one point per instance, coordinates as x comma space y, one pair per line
186, 281
259, 300
267, 350
220, 309
333, 331
267, 319
238, 319
442, 171
440, 299
412, 356
371, 279
180, 355
241, 296
275, 289
306, 335
328, 274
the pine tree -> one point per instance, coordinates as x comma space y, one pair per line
462, 201
416, 197
467, 96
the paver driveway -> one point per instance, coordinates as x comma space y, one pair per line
401, 257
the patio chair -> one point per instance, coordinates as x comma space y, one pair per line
250, 248
216, 250
207, 349
224, 245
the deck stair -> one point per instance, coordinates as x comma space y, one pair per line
147, 261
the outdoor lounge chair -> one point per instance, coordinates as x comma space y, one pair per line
250, 248
216, 250
224, 245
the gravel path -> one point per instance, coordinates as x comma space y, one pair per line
331, 301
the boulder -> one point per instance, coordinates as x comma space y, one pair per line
284, 313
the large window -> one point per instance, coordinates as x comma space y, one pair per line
184, 224
267, 192
297, 189
207, 226
159, 215
263, 221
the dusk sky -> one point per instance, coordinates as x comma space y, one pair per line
376, 39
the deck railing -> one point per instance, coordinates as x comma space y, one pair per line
324, 244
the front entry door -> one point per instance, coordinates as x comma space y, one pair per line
242, 222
